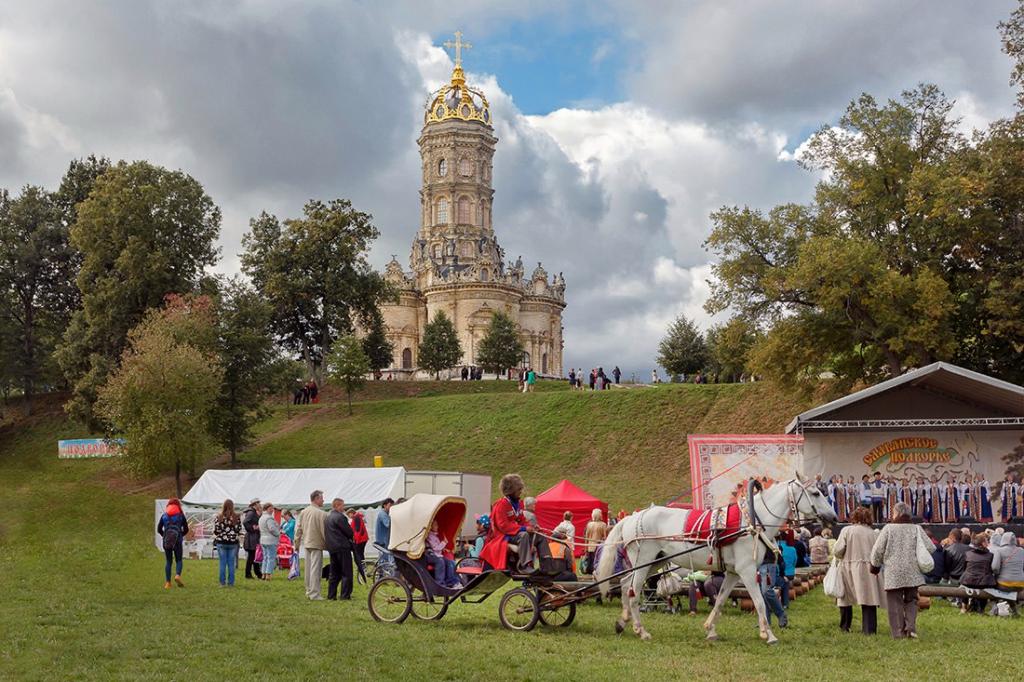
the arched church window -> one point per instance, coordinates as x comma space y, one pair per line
483, 275
407, 358
442, 167
479, 215
526, 359
437, 250
464, 210
544, 364
442, 211
465, 167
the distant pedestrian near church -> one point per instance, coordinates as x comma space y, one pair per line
617, 373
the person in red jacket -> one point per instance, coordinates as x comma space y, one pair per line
509, 527
360, 536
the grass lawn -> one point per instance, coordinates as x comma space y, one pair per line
83, 584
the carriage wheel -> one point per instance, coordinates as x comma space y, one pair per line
519, 610
423, 609
559, 617
390, 600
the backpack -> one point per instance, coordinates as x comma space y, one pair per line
172, 533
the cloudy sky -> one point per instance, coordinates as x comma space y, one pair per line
621, 126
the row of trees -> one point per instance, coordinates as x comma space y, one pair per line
724, 352
500, 348
105, 291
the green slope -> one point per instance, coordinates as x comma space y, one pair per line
626, 445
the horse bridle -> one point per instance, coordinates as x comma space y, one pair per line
794, 503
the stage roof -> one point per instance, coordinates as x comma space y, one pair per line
939, 395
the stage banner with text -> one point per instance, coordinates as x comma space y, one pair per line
720, 464
88, 448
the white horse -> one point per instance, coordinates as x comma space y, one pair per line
656, 530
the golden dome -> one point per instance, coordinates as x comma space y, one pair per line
456, 100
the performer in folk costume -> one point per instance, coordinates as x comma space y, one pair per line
964, 488
939, 502
906, 494
1020, 499
984, 503
1008, 498
837, 497
892, 495
934, 488
852, 497
951, 503
922, 493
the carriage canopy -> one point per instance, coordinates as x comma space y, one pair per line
411, 521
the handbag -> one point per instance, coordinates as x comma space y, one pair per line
259, 553
925, 563
833, 583
293, 572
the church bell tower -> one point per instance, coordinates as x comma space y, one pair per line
456, 237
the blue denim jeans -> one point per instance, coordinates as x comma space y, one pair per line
269, 559
769, 574
176, 555
228, 555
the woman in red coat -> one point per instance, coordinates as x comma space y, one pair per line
508, 526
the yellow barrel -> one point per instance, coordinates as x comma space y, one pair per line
378, 460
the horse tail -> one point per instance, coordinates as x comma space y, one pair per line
609, 551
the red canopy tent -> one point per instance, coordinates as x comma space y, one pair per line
563, 497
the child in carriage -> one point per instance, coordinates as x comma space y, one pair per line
444, 560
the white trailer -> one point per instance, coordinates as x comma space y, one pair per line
476, 488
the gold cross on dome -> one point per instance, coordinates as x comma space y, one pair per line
458, 45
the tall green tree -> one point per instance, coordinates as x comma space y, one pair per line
440, 348
868, 279
315, 273
253, 370
348, 365
379, 351
683, 350
36, 269
501, 347
729, 347
161, 397
75, 186
144, 232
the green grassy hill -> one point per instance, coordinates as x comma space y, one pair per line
626, 445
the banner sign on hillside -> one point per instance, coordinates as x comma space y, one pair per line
83, 448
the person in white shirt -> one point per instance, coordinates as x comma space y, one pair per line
567, 527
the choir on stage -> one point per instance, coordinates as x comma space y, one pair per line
934, 501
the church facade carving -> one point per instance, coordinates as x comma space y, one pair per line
456, 264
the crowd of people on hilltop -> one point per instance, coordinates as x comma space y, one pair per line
597, 380
946, 499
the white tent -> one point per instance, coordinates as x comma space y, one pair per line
290, 488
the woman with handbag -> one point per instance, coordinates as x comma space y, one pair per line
906, 552
859, 585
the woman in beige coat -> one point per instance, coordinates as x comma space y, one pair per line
853, 549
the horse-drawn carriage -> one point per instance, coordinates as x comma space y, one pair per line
412, 590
